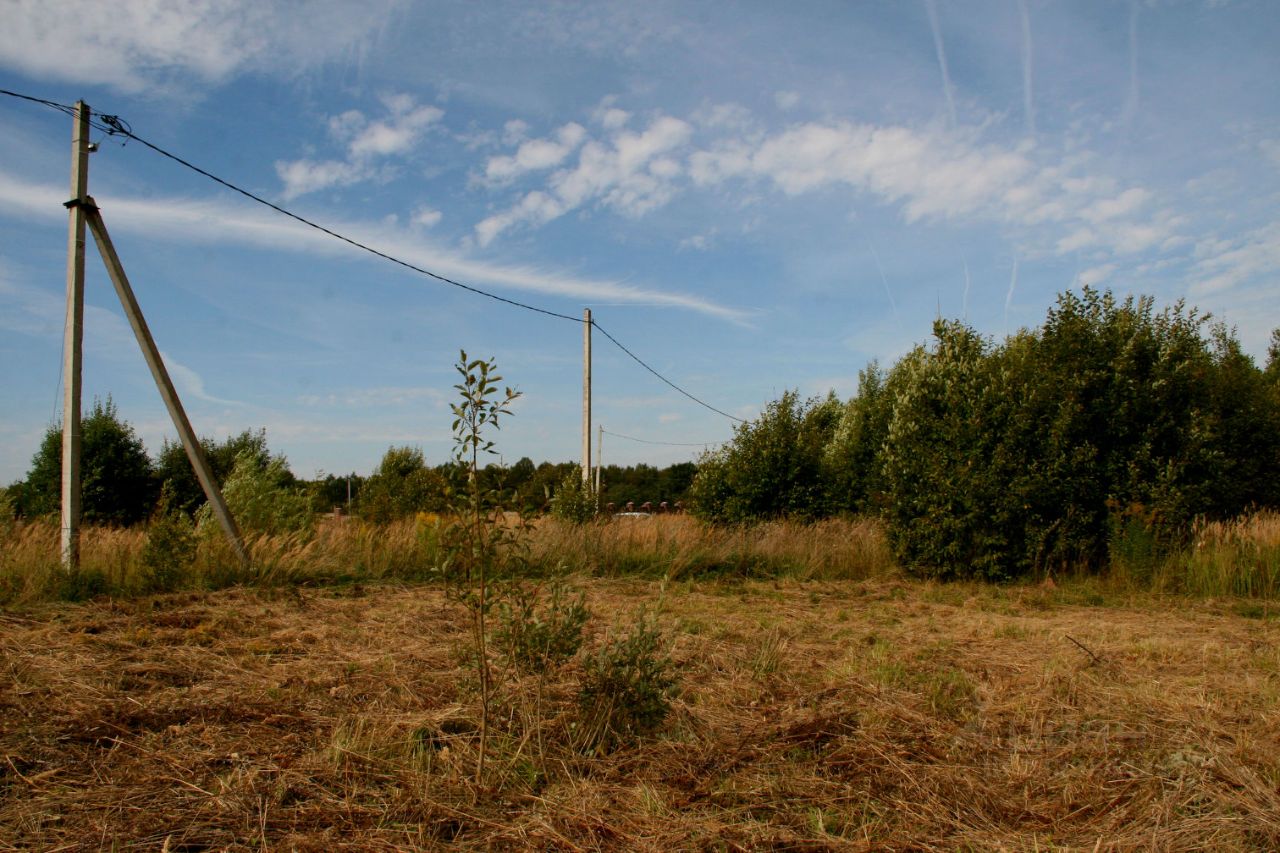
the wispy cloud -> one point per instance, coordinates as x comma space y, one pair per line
1028, 59
627, 172
190, 383
367, 143
940, 50
1224, 265
151, 46
205, 221
363, 398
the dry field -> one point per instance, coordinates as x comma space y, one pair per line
812, 715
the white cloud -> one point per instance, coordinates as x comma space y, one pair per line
365, 143
1226, 265
191, 383
426, 217
536, 154
189, 220
786, 100
153, 44
307, 176
1051, 203
1094, 276
627, 173
362, 398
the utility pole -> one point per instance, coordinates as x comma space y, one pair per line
73, 341
586, 397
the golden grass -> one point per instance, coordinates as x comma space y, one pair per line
679, 546
1239, 558
813, 715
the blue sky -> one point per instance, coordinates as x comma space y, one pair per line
752, 197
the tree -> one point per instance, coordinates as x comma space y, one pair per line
116, 482
263, 497
1273, 359
402, 485
173, 466
772, 467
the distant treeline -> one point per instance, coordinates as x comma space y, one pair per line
121, 484
998, 460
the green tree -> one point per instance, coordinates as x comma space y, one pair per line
773, 466
173, 466
483, 551
1273, 358
263, 498
117, 486
401, 486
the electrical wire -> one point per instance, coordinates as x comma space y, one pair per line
641, 362
114, 125
662, 443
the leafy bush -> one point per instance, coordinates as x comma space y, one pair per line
173, 466
772, 468
541, 629
261, 496
1003, 461
116, 482
574, 501
626, 689
402, 485
170, 550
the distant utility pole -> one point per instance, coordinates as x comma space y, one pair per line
73, 341
586, 397
599, 457
85, 212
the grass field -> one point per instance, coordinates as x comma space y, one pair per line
811, 715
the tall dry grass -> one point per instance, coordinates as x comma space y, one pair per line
679, 546
1236, 558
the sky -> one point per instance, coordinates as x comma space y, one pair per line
751, 197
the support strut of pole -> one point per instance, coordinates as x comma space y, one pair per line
73, 341
204, 473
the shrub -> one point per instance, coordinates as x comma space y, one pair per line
773, 467
574, 501
625, 690
116, 483
170, 550
262, 498
541, 629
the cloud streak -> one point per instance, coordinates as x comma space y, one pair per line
940, 50
203, 221
150, 46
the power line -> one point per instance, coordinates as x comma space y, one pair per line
662, 443
641, 362
114, 125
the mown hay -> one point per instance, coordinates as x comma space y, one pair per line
812, 716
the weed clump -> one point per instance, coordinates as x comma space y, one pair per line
538, 636
170, 549
626, 689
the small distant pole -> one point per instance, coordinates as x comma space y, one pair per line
73, 341
599, 457
586, 397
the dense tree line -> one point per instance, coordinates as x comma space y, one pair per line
998, 460
121, 484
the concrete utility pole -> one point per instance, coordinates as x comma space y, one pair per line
586, 397
73, 341
195, 453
